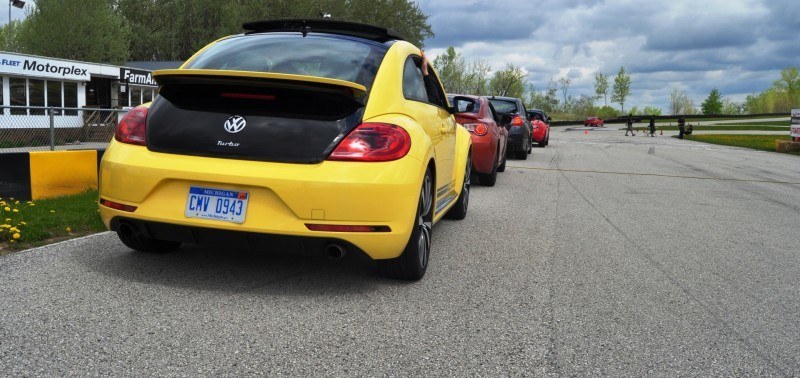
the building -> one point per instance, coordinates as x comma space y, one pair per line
29, 80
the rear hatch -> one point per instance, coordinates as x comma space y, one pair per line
282, 97
250, 115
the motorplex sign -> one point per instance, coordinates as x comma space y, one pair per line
795, 127
43, 67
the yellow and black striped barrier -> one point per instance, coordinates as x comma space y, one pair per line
43, 174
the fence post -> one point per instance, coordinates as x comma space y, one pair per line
52, 129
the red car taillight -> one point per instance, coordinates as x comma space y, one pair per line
132, 127
373, 142
517, 121
477, 128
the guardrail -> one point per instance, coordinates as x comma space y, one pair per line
36, 128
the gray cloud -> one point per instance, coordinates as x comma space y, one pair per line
738, 46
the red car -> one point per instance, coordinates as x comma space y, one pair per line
489, 140
540, 125
593, 121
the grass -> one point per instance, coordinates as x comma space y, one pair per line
44, 221
756, 142
725, 127
763, 123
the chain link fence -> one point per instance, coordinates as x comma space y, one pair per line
32, 128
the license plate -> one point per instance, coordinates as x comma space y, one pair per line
217, 204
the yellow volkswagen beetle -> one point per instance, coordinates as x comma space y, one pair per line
312, 136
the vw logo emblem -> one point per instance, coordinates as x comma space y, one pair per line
235, 124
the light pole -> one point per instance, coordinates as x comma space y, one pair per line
17, 4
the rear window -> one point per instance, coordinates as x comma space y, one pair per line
503, 106
314, 55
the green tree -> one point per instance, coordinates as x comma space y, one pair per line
9, 36
790, 84
713, 103
509, 81
652, 110
601, 86
451, 68
89, 30
622, 88
174, 30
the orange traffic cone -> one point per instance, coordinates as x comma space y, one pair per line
586, 131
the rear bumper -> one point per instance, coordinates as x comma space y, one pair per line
283, 198
233, 239
539, 135
483, 153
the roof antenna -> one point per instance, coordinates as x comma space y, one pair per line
305, 29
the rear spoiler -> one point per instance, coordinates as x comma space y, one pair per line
180, 75
353, 29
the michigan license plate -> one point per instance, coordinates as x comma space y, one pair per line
216, 204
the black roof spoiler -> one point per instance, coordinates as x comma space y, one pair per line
353, 29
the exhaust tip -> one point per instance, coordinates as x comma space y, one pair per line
125, 228
335, 251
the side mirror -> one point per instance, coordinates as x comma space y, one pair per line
463, 104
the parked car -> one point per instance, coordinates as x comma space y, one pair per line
489, 140
297, 135
542, 115
593, 122
540, 125
514, 118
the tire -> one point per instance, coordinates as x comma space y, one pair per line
547, 141
489, 179
141, 243
459, 210
502, 166
522, 154
413, 262
530, 145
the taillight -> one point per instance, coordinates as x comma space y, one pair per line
517, 121
477, 128
117, 206
132, 127
373, 142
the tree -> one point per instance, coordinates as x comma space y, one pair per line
174, 30
476, 78
509, 81
9, 36
563, 83
622, 88
601, 86
652, 110
733, 108
89, 30
451, 68
789, 83
713, 103
680, 103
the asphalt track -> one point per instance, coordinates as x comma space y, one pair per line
599, 255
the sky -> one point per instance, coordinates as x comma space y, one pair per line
737, 46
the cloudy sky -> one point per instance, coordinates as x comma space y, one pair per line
738, 46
